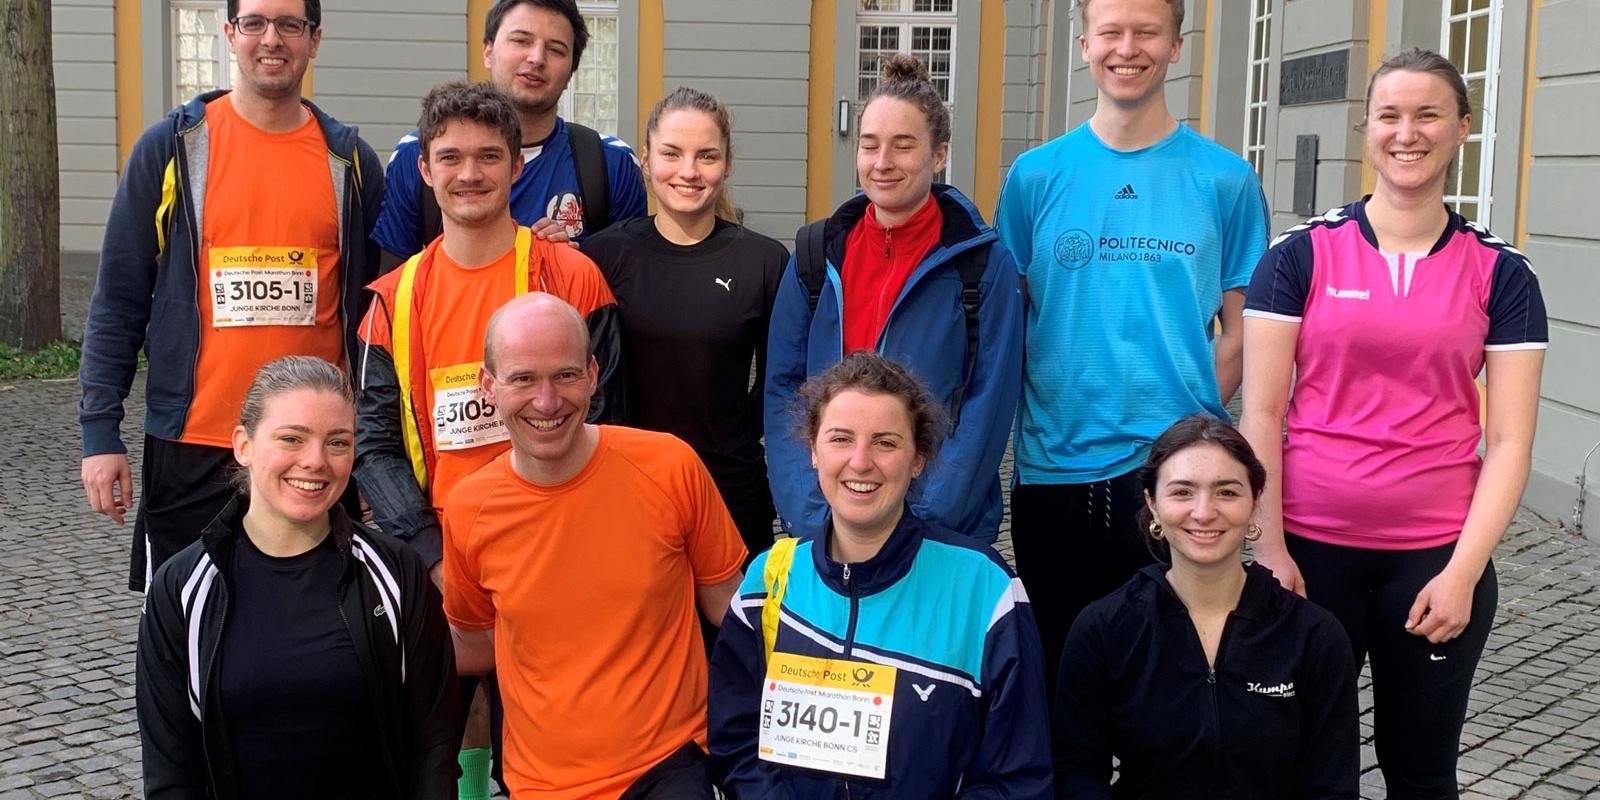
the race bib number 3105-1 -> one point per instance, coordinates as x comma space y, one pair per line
827, 714
263, 286
462, 418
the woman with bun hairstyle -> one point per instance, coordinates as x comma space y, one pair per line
1380, 315
884, 656
910, 270
1201, 676
289, 652
695, 290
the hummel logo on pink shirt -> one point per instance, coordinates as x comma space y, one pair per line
1349, 294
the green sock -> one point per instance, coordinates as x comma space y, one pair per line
474, 783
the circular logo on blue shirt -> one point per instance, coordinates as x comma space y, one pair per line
1074, 248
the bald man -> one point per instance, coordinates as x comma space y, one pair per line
574, 565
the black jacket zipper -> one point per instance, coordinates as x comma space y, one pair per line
850, 636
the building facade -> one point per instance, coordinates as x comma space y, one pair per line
1280, 82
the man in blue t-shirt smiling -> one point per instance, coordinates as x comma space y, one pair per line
532, 48
1134, 235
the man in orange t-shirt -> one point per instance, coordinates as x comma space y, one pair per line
422, 425
574, 566
239, 234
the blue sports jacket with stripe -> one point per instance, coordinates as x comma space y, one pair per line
969, 717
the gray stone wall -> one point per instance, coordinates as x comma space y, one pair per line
754, 56
86, 117
1027, 64
1563, 242
378, 59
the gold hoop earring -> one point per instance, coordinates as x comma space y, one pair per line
1155, 530
1253, 532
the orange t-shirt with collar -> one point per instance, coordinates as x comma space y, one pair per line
269, 206
589, 586
451, 307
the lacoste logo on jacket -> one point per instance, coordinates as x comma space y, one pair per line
924, 692
726, 283
1283, 690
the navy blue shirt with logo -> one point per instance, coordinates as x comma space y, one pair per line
548, 187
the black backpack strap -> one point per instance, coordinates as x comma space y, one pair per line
970, 266
430, 220
589, 159
811, 261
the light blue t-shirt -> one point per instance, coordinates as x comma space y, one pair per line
1126, 256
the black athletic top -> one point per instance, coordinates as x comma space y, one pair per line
694, 319
1275, 718
299, 711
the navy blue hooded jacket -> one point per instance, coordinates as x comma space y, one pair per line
926, 333
969, 717
147, 290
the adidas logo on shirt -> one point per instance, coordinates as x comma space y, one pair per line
1127, 193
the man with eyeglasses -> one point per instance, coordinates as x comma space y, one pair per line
239, 234
574, 181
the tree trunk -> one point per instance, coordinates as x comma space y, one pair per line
30, 203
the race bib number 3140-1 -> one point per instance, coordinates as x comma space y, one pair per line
263, 286
827, 714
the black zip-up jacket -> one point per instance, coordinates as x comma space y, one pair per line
1275, 719
405, 654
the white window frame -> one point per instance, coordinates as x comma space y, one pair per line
223, 58
591, 10
1483, 193
905, 19
1257, 94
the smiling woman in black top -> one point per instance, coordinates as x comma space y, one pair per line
695, 289
1203, 677
290, 652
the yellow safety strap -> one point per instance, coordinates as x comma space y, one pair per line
169, 196
401, 343
776, 576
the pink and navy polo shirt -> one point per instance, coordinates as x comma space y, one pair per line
1383, 431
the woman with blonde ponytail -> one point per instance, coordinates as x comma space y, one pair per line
695, 288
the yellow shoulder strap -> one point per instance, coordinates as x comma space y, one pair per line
169, 196
400, 331
776, 576
524, 247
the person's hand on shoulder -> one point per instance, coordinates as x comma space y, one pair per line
552, 231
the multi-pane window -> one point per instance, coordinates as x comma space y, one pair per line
201, 61
591, 96
1471, 40
1255, 120
924, 28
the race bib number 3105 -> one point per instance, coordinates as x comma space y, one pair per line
827, 714
462, 418
263, 286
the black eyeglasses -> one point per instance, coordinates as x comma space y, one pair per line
287, 27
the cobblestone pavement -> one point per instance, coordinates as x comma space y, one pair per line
67, 630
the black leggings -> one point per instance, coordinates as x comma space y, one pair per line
1075, 543
1419, 690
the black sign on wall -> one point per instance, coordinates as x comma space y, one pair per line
1314, 79
1305, 174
